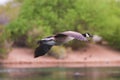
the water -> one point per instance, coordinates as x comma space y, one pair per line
60, 73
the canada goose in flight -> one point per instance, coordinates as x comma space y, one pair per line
45, 44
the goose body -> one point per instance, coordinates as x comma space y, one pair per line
58, 39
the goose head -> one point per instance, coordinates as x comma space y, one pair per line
87, 35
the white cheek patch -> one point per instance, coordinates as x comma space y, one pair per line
48, 38
87, 35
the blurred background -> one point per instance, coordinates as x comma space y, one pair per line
24, 22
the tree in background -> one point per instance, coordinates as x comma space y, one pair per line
8, 13
40, 18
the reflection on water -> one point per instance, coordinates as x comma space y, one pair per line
60, 73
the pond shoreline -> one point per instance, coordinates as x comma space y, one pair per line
60, 64
93, 56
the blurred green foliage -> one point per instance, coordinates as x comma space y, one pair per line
4, 46
58, 52
8, 13
1, 40
114, 39
40, 18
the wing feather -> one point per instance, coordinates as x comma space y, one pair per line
41, 50
75, 35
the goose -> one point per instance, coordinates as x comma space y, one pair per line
45, 44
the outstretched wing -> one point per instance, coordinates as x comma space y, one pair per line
41, 50
75, 35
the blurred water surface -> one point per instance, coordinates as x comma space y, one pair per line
58, 73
